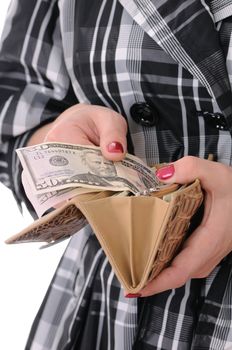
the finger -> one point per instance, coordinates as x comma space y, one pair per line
112, 132
187, 169
104, 127
201, 258
92, 125
176, 275
170, 278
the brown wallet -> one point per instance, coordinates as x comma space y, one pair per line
140, 235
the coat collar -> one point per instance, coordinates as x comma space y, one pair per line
186, 31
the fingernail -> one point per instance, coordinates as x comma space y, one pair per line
130, 295
115, 147
165, 172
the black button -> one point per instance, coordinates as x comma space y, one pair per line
144, 114
216, 120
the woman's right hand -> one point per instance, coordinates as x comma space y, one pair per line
87, 125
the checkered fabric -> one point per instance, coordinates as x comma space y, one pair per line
175, 56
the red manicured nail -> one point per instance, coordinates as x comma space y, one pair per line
130, 295
165, 172
115, 147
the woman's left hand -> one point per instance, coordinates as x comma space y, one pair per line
212, 240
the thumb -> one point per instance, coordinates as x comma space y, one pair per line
188, 168
112, 133
92, 125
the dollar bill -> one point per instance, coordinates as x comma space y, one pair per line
51, 167
45, 201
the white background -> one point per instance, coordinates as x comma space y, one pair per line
25, 270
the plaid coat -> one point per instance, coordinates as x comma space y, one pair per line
166, 66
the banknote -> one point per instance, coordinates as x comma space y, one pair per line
42, 203
52, 166
45, 201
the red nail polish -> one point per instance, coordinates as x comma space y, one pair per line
115, 147
130, 295
165, 172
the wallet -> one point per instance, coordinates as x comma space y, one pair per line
139, 234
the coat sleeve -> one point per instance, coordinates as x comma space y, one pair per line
34, 84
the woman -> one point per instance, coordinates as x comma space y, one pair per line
151, 78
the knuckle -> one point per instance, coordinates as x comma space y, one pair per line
189, 168
181, 276
120, 122
190, 163
180, 282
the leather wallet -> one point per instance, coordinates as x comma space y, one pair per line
140, 235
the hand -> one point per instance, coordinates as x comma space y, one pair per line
87, 125
212, 240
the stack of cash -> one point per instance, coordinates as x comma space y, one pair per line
56, 172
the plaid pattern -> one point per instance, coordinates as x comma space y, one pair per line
85, 292
174, 55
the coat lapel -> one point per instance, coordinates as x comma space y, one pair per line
186, 31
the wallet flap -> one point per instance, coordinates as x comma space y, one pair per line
61, 223
58, 224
